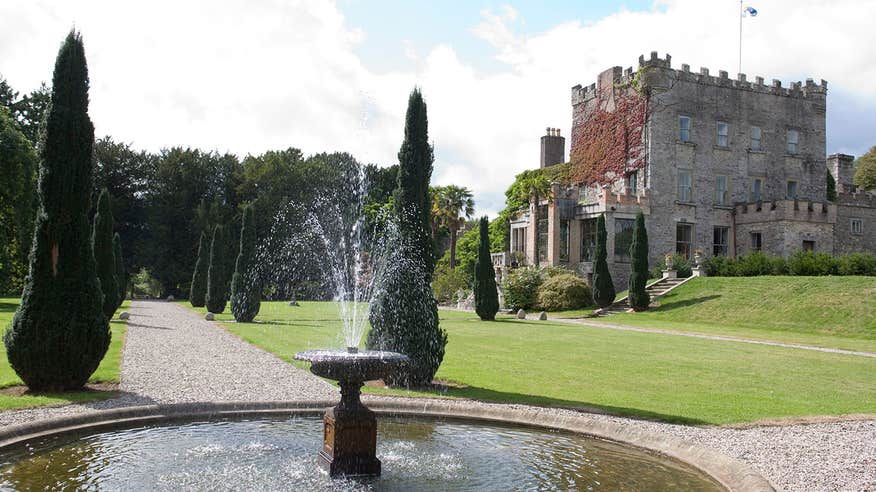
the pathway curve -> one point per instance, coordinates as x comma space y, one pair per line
580, 321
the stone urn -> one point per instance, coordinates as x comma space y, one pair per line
670, 262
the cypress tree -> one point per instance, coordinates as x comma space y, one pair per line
404, 315
639, 298
486, 295
245, 291
102, 242
198, 292
121, 275
603, 286
217, 278
59, 333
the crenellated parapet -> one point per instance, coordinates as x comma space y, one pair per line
857, 198
607, 201
788, 210
802, 90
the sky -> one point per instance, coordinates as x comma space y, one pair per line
247, 76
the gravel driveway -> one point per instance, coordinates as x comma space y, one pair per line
172, 355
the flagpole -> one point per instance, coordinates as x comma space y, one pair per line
740, 37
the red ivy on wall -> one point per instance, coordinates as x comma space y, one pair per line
610, 141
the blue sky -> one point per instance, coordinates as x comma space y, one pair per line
250, 76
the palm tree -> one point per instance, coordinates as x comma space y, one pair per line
534, 187
455, 206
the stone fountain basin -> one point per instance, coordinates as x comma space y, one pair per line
366, 365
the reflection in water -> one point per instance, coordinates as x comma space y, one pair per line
266, 454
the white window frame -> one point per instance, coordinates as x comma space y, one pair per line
756, 141
792, 140
856, 226
685, 191
722, 139
722, 197
684, 131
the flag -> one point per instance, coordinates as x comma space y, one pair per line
749, 12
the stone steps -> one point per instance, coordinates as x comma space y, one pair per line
655, 290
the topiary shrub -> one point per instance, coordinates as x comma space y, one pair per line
217, 279
446, 283
639, 298
603, 286
485, 291
198, 290
809, 263
60, 334
102, 242
564, 292
520, 287
245, 290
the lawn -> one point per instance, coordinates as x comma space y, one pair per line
664, 377
837, 312
107, 372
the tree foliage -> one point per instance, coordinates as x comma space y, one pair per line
639, 298
245, 289
486, 294
18, 163
60, 334
603, 286
217, 276
831, 187
865, 171
102, 242
452, 207
121, 274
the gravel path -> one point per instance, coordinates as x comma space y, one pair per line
171, 355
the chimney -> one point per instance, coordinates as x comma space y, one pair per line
553, 148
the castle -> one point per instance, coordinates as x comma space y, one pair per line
718, 166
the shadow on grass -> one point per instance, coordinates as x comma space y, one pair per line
493, 396
689, 302
8, 307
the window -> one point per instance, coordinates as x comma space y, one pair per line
756, 190
793, 137
588, 239
684, 128
684, 194
756, 241
632, 182
623, 238
564, 240
683, 237
856, 226
518, 239
792, 190
756, 138
808, 245
542, 232
720, 237
723, 130
722, 193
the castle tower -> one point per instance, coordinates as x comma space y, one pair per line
841, 166
553, 148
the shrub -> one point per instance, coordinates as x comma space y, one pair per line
757, 263
486, 295
145, 285
857, 264
245, 289
59, 333
682, 266
810, 263
520, 287
564, 292
639, 297
446, 283
720, 266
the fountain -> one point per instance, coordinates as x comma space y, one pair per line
350, 428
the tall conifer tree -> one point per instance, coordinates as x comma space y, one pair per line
639, 298
198, 291
603, 286
404, 315
102, 242
217, 277
245, 290
59, 333
486, 294
121, 274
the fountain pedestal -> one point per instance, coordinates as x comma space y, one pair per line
349, 445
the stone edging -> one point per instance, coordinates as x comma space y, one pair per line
730, 473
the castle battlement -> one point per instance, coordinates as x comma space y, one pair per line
614, 202
801, 90
857, 198
778, 210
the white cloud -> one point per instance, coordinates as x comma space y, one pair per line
252, 76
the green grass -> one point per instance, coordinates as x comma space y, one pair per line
107, 372
664, 377
836, 312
